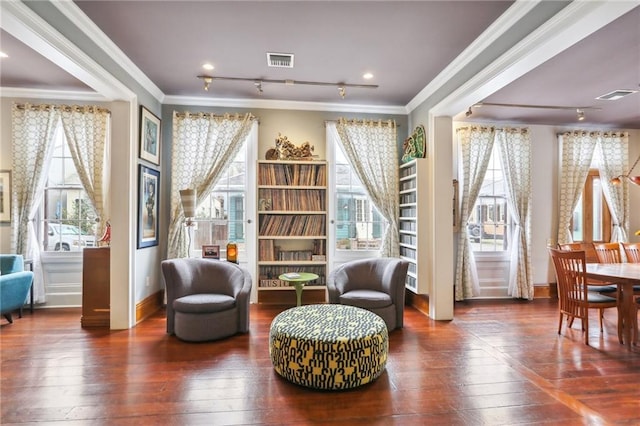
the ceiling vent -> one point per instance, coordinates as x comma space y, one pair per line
615, 95
280, 60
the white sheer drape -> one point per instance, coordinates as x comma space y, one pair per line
203, 147
577, 152
515, 152
86, 130
614, 157
33, 129
578, 149
372, 150
475, 144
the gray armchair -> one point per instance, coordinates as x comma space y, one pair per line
375, 284
206, 299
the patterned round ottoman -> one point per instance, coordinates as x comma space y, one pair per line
328, 346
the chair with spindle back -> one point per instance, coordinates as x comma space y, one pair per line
632, 251
590, 255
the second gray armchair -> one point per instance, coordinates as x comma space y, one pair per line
375, 284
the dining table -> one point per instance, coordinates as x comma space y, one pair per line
625, 276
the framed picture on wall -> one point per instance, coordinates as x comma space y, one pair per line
148, 202
5, 196
211, 252
149, 136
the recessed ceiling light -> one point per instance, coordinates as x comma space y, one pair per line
3, 55
367, 76
208, 66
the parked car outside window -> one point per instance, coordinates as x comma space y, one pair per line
61, 237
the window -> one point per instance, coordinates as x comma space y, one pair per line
591, 218
68, 218
489, 226
359, 226
220, 216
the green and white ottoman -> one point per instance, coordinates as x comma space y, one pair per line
328, 346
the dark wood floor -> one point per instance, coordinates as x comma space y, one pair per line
497, 363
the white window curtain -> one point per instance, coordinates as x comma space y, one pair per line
372, 149
204, 145
86, 130
577, 153
475, 145
515, 153
33, 129
578, 149
614, 157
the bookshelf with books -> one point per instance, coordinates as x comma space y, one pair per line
292, 228
413, 214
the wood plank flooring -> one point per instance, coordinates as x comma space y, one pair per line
497, 363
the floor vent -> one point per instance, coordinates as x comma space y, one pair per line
615, 95
280, 60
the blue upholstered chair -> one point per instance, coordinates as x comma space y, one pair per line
14, 284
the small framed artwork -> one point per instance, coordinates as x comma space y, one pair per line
211, 252
148, 202
149, 136
5, 196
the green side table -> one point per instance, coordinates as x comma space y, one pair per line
298, 280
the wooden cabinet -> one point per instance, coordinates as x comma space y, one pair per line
95, 287
292, 228
413, 218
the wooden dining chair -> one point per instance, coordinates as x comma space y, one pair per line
574, 298
593, 285
608, 252
632, 251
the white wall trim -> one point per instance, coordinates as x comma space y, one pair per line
280, 104
572, 24
21, 22
507, 20
74, 95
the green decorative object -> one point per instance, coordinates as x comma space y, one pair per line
415, 146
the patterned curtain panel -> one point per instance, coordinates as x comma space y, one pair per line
614, 157
204, 145
377, 170
475, 144
577, 153
86, 130
515, 150
33, 129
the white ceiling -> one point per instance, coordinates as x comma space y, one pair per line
407, 45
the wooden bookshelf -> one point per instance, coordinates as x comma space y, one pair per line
292, 228
413, 211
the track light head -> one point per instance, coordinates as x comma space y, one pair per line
469, 112
580, 114
342, 91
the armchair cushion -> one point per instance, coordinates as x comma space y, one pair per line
14, 284
199, 303
366, 299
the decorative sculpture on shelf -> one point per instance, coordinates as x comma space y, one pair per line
286, 150
415, 146
106, 237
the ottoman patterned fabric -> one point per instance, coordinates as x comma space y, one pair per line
328, 346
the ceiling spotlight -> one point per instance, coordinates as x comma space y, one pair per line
469, 112
367, 76
208, 66
580, 114
342, 91
258, 85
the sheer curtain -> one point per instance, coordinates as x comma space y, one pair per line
614, 157
204, 145
86, 130
475, 144
33, 129
515, 152
377, 170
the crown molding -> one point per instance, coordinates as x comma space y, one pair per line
281, 104
72, 95
501, 25
24, 24
70, 10
576, 21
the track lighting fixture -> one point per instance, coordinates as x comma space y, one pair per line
579, 110
342, 87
